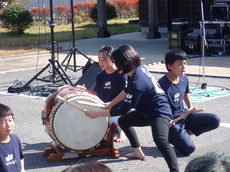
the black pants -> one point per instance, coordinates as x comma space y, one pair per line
160, 130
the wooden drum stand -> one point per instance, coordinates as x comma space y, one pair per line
104, 148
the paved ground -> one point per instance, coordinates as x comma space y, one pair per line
151, 51
28, 108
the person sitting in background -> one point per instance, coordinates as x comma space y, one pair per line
209, 162
109, 83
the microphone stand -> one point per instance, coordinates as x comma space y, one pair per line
203, 44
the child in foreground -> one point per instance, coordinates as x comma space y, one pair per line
11, 154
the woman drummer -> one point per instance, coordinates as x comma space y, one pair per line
149, 101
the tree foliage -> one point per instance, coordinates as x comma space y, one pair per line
40, 13
110, 12
82, 11
62, 13
126, 8
16, 18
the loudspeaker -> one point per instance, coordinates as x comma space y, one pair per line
88, 79
87, 65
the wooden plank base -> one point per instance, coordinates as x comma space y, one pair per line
104, 148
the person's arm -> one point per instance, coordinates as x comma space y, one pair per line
188, 101
116, 100
96, 114
106, 113
22, 164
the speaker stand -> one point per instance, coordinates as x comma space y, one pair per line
74, 49
52, 62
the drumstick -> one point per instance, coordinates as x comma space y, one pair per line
71, 104
199, 110
187, 113
90, 104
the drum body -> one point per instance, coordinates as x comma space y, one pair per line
69, 127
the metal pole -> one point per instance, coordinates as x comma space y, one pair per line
203, 39
73, 36
52, 24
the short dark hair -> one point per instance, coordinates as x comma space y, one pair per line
211, 161
5, 111
107, 50
89, 167
174, 55
126, 58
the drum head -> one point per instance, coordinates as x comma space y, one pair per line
73, 130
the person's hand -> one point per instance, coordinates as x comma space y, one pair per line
190, 108
171, 123
107, 106
92, 114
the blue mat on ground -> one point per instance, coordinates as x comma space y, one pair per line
201, 95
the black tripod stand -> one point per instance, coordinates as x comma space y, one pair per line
56, 66
73, 50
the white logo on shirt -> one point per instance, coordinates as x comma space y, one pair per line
10, 160
176, 97
9, 157
155, 83
107, 85
146, 72
128, 98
